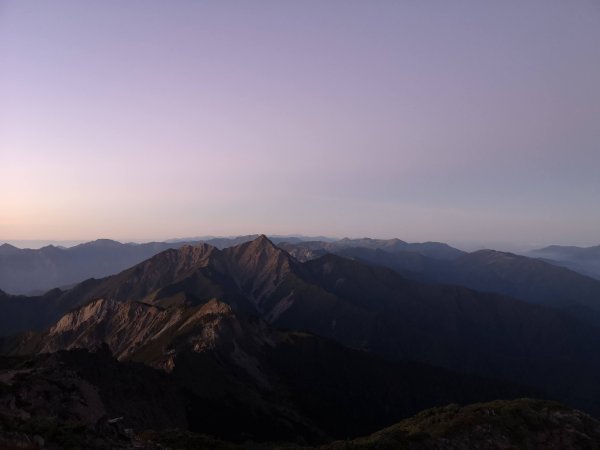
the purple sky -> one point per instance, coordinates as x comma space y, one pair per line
462, 121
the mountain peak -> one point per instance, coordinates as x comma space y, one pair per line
6, 249
262, 245
100, 243
263, 240
184, 259
258, 266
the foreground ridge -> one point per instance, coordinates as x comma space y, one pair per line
511, 424
498, 425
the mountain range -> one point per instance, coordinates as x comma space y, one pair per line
361, 306
35, 271
530, 279
302, 342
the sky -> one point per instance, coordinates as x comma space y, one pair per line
469, 122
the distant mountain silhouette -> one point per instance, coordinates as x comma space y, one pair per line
24, 271
526, 278
585, 260
7, 249
365, 307
532, 280
34, 271
312, 249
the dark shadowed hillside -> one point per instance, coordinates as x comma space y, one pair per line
519, 424
370, 308
233, 375
529, 279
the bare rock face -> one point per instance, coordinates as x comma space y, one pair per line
158, 336
154, 335
124, 326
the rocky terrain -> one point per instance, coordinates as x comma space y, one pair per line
248, 345
242, 378
362, 306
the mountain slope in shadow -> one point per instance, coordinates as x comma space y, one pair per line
232, 375
374, 309
529, 279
